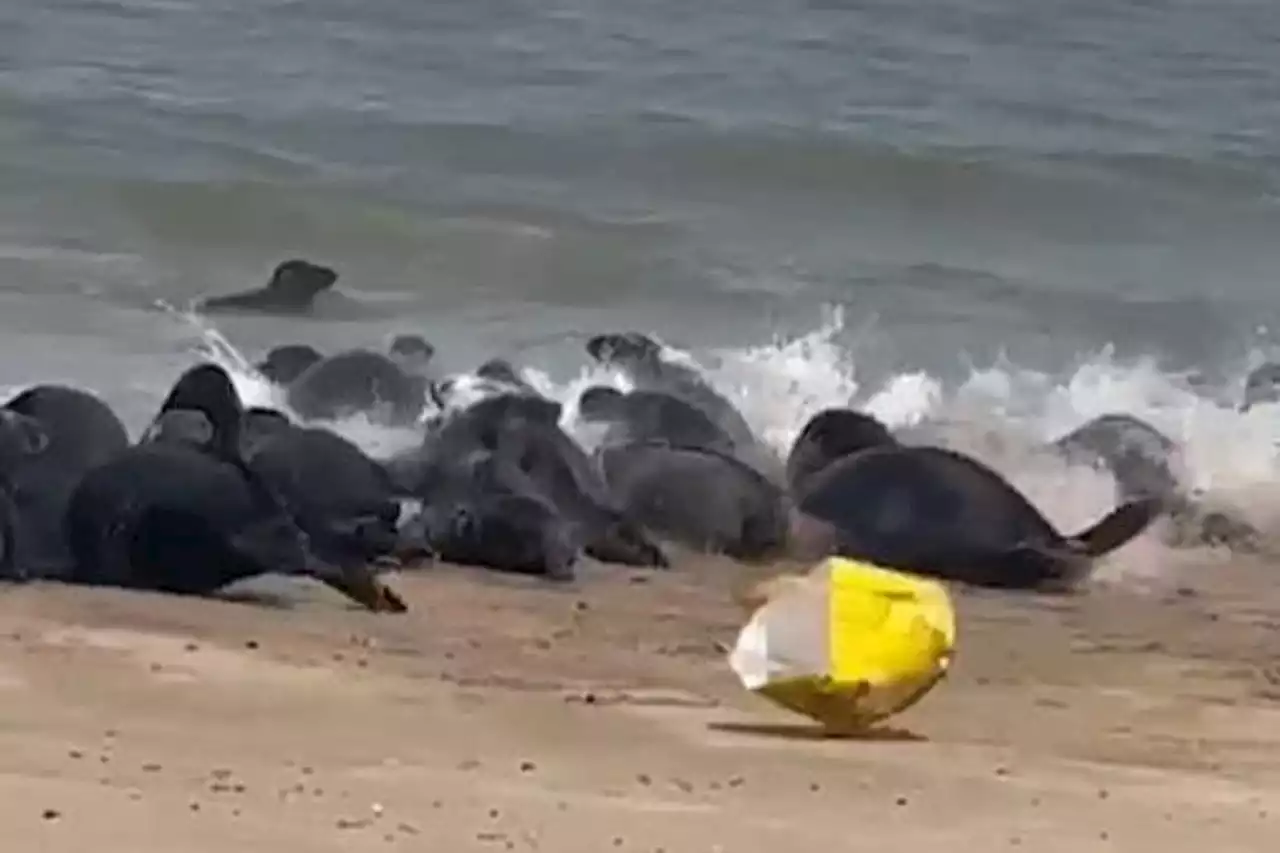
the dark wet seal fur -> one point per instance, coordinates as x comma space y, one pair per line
292, 289
355, 382
483, 511
173, 517
283, 364
1143, 462
77, 432
11, 567
937, 512
641, 416
1261, 386
829, 435
340, 497
706, 500
504, 372
412, 352
645, 363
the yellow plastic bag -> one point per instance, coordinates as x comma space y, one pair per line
849, 645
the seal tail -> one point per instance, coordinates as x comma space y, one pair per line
1122, 524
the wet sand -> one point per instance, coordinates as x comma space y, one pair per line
505, 715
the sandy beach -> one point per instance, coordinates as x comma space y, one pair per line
505, 715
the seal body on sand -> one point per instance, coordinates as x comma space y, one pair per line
173, 517
10, 567
292, 289
355, 382
701, 498
643, 416
341, 498
937, 512
1143, 462
80, 432
643, 361
829, 435
482, 511
524, 431
287, 362
21, 438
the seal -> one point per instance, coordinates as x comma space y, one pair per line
644, 416
937, 512
358, 381
504, 373
284, 364
701, 498
173, 517
832, 434
10, 567
524, 431
413, 353
292, 289
342, 499
77, 431
645, 364
481, 511
1261, 386
1144, 462
21, 437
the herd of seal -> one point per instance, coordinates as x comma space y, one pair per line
213, 492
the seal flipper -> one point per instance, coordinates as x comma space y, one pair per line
1123, 523
361, 585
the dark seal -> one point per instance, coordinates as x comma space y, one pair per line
293, 287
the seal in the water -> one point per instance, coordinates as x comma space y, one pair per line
412, 352
504, 372
358, 382
79, 432
1142, 461
829, 435
172, 517
643, 361
285, 363
641, 416
1262, 385
481, 511
704, 499
292, 289
936, 512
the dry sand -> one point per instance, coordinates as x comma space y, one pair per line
503, 715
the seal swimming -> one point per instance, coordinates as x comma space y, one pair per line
292, 289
